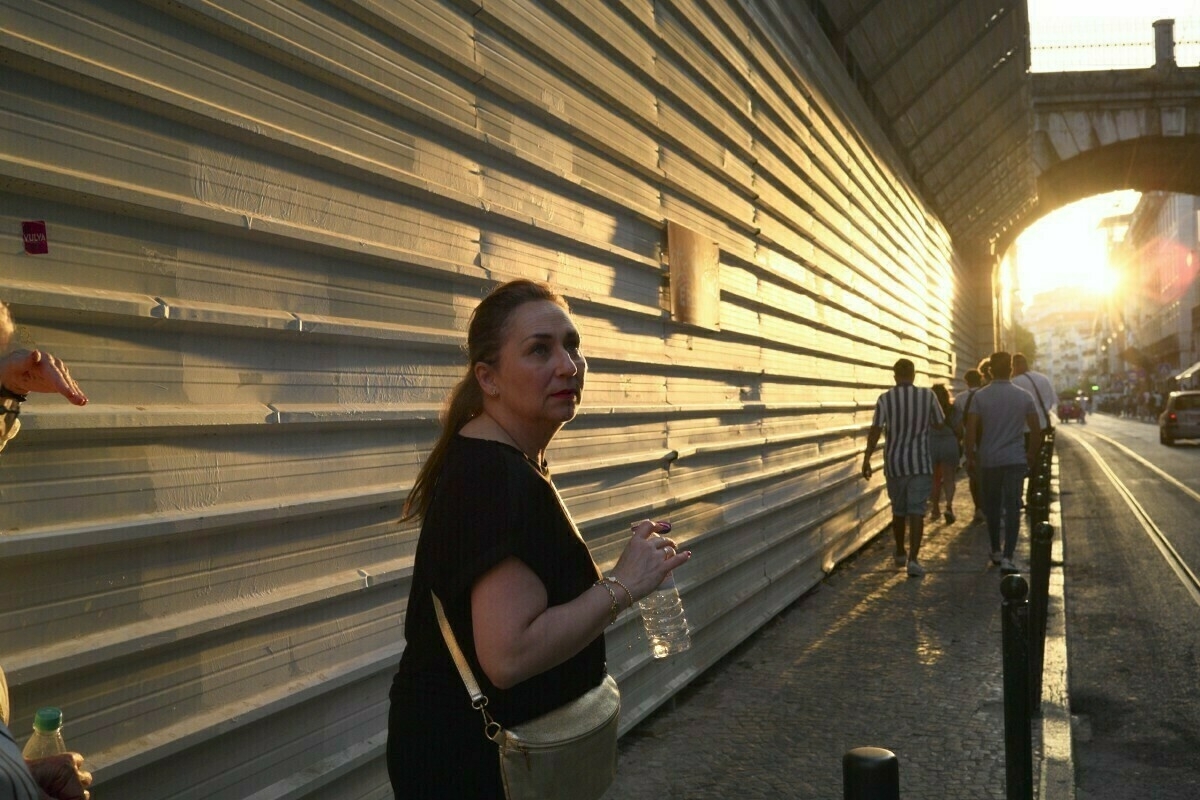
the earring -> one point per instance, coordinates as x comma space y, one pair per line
495, 393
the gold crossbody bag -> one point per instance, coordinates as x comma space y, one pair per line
569, 753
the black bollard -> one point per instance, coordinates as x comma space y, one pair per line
1018, 724
870, 773
1039, 506
1039, 603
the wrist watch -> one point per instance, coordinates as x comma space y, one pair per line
10, 400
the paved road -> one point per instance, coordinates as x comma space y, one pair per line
1133, 628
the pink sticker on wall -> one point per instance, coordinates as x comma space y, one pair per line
34, 234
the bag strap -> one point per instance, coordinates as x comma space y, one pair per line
479, 701
460, 660
1041, 402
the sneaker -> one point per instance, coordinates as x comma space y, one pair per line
899, 559
934, 514
950, 518
1007, 567
915, 570
996, 556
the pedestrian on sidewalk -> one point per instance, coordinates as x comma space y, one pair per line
945, 445
907, 413
527, 604
996, 445
985, 371
1043, 393
974, 381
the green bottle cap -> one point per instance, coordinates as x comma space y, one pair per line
47, 720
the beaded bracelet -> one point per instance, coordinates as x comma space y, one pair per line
615, 610
628, 593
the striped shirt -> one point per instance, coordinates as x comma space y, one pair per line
906, 413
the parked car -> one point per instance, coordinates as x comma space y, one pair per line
1180, 418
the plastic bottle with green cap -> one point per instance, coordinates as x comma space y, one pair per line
47, 738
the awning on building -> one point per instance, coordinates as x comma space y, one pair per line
1187, 374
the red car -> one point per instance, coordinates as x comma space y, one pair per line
1071, 410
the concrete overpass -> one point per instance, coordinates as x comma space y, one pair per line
1096, 132
995, 147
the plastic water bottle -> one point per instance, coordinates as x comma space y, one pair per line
47, 739
662, 614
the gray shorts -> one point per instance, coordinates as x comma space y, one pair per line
908, 494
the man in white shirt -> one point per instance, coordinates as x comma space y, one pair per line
1037, 385
1044, 397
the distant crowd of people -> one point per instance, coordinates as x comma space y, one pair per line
996, 429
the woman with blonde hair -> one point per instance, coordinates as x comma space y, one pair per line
526, 602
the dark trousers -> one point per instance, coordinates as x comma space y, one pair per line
1001, 489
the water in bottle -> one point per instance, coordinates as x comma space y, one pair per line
47, 738
662, 614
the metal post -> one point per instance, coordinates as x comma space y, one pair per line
1039, 601
1039, 504
870, 773
1018, 725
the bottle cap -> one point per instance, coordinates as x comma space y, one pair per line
47, 720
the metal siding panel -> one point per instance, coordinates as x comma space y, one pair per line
518, 78
269, 225
715, 63
605, 24
439, 30
573, 53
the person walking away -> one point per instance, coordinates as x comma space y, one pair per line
985, 371
907, 413
520, 590
974, 381
1043, 393
945, 448
997, 447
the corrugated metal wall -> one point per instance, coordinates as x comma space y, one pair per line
268, 222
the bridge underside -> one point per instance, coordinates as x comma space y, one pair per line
1167, 164
1097, 132
949, 83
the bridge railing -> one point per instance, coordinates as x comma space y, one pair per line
1103, 43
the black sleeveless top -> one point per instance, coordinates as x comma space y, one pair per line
490, 503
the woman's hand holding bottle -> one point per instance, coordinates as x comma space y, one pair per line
648, 563
648, 558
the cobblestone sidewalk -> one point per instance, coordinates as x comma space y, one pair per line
870, 657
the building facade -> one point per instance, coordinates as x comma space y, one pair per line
1160, 257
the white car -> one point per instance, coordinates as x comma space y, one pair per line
1181, 417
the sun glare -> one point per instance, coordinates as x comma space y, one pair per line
1069, 248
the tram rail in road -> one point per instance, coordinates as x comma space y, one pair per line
1161, 541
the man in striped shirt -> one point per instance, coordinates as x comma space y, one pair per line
907, 413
